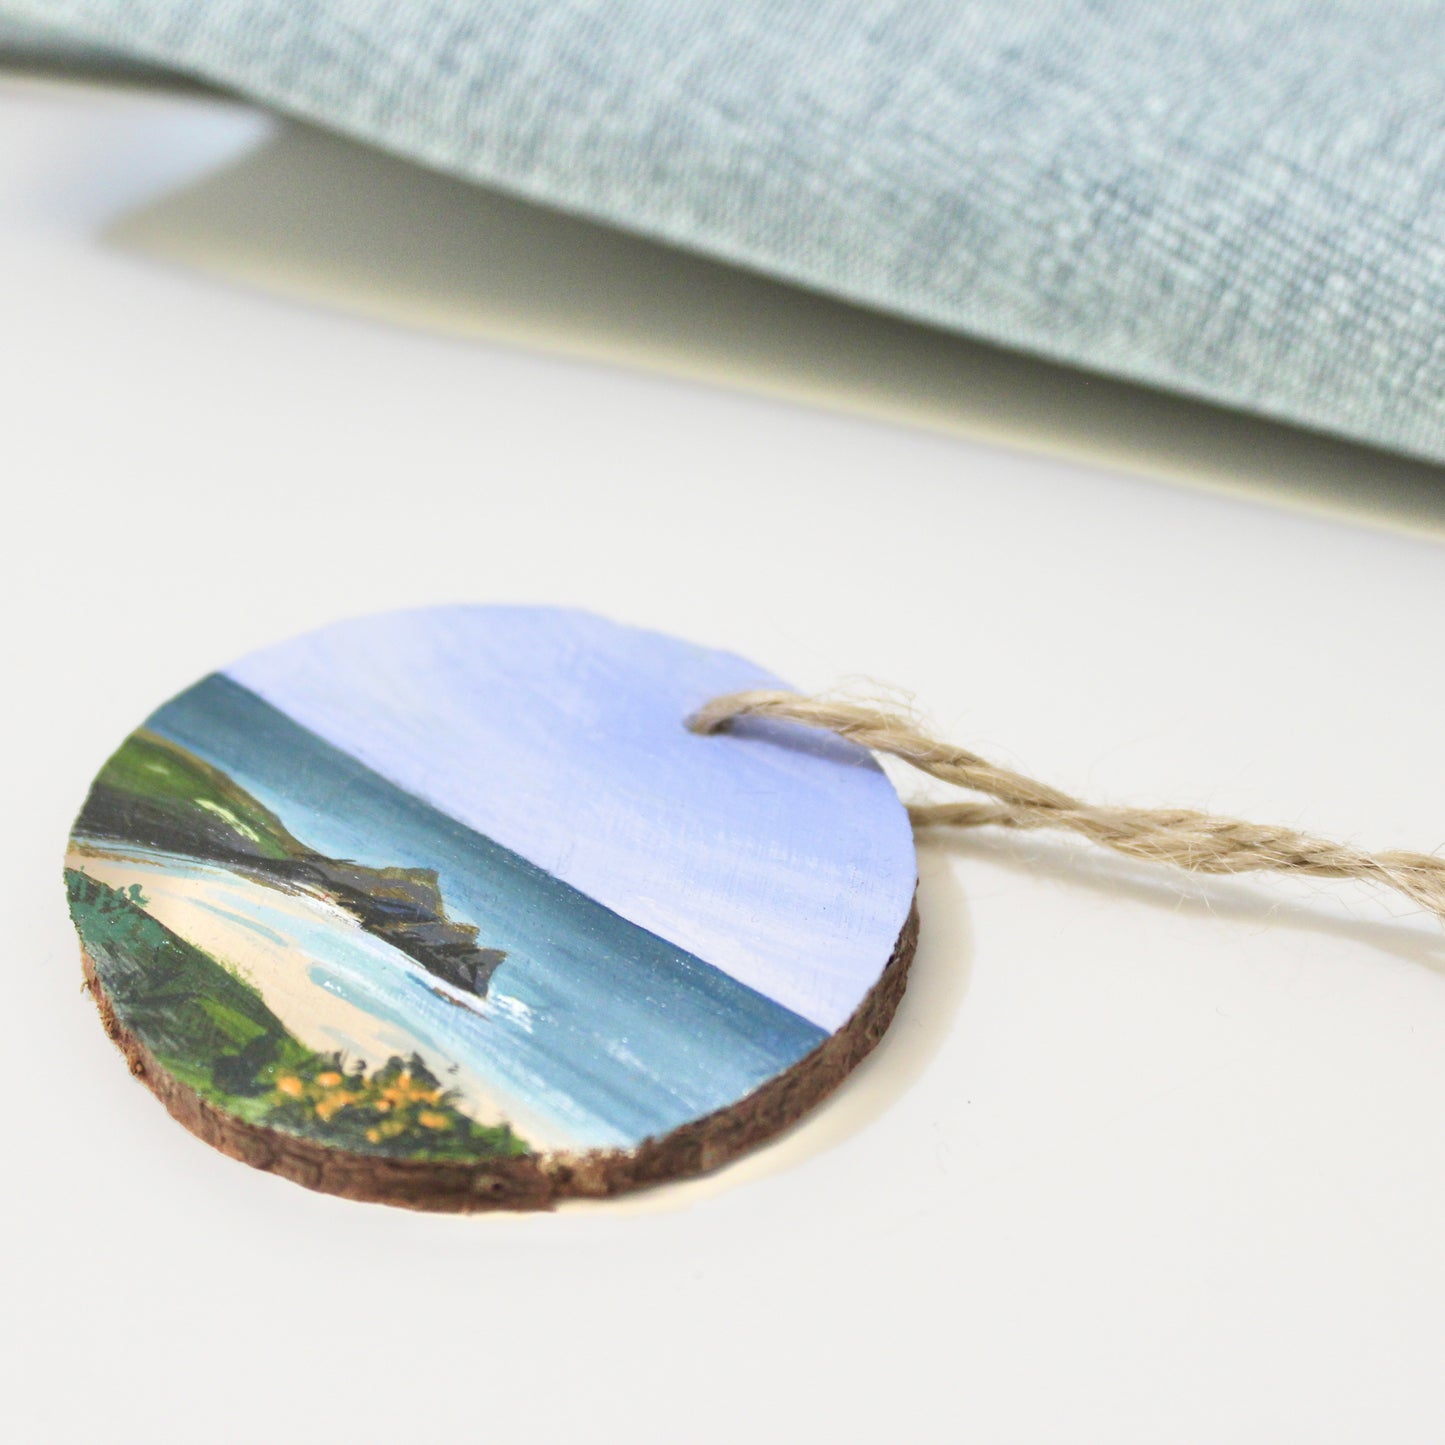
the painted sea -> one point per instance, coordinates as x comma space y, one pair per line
300, 927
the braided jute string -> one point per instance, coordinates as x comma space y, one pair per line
1181, 837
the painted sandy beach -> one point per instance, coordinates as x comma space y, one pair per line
322, 975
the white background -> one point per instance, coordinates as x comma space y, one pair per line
1142, 1159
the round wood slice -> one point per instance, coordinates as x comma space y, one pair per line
448, 909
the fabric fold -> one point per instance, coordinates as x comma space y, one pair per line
1240, 202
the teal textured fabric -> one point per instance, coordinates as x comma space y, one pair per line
1242, 200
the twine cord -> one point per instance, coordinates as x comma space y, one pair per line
1175, 837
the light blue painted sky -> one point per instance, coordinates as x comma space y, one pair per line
560, 735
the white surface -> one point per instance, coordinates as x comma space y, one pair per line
1141, 1160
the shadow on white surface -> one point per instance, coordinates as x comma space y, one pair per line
940, 976
319, 218
1412, 937
937, 983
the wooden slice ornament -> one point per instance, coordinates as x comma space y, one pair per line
447, 908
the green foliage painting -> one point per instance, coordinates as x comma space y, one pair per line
213, 1031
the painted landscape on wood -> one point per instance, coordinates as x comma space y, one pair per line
458, 884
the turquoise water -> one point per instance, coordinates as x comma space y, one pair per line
600, 1026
